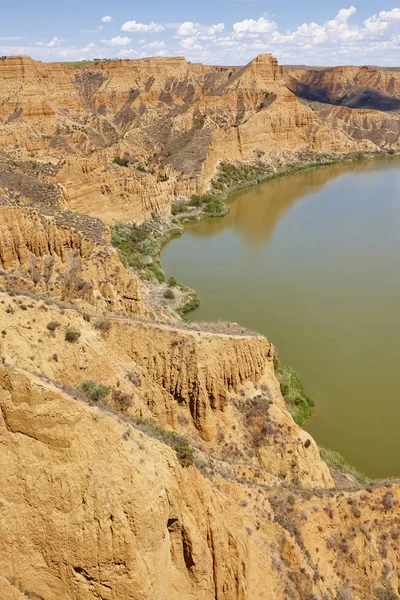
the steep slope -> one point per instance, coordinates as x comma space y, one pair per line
143, 459
170, 122
354, 87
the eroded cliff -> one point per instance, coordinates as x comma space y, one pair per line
143, 459
170, 122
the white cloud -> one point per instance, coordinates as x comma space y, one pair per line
117, 41
189, 43
100, 27
54, 42
215, 29
343, 39
190, 29
12, 38
391, 16
157, 44
126, 53
106, 19
250, 27
133, 26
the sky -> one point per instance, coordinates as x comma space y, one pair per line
228, 32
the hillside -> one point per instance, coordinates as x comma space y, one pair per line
171, 123
143, 457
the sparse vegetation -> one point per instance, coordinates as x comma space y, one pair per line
72, 334
102, 325
386, 594
192, 303
388, 500
122, 400
172, 282
139, 246
169, 294
52, 326
94, 391
299, 404
122, 162
176, 441
336, 460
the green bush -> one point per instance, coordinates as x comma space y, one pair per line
192, 303
299, 404
122, 162
94, 391
178, 207
218, 185
172, 282
141, 168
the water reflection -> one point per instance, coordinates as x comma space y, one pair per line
255, 212
312, 261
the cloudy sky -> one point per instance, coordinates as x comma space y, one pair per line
227, 32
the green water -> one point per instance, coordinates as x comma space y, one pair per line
312, 260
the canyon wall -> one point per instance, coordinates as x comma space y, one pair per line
172, 123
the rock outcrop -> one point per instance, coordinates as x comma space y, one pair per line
67, 255
141, 457
171, 122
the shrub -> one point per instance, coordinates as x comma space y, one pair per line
72, 334
386, 594
299, 404
103, 325
134, 378
178, 207
169, 294
141, 168
172, 282
94, 391
122, 400
388, 500
52, 326
122, 162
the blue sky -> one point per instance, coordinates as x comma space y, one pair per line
214, 32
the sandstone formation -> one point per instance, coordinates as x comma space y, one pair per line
141, 457
172, 122
95, 502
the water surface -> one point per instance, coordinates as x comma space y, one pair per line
312, 261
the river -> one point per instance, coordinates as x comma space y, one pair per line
312, 260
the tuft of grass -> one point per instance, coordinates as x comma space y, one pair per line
176, 441
72, 335
122, 162
336, 460
94, 391
299, 404
386, 594
102, 325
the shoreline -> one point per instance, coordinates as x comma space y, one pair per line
291, 385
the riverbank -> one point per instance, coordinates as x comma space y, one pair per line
302, 415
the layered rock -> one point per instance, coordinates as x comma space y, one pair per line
68, 255
171, 121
